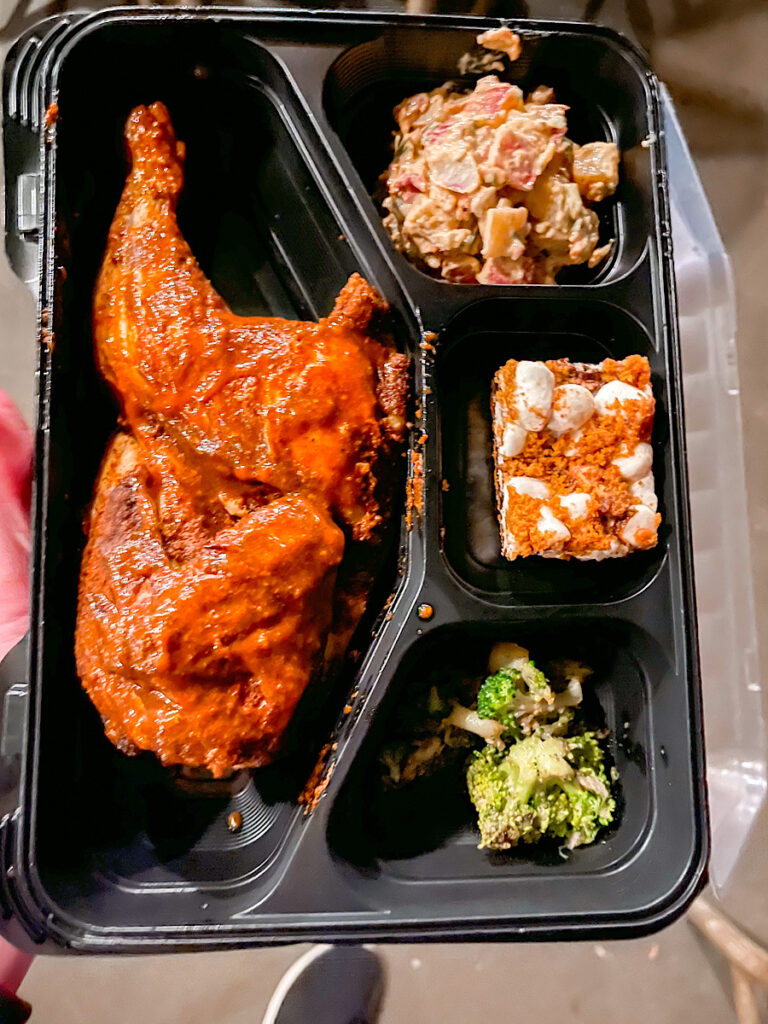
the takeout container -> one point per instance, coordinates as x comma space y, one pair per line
287, 120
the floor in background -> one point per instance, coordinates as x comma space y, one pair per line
713, 56
661, 980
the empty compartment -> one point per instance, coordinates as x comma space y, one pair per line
425, 832
264, 234
600, 79
471, 350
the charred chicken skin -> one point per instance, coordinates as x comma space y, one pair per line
236, 520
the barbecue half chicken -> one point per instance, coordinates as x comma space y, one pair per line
236, 520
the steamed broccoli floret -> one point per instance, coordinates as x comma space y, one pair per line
586, 753
530, 781
541, 786
496, 699
518, 695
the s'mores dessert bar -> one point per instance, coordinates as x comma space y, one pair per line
573, 458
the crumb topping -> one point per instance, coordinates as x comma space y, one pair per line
594, 494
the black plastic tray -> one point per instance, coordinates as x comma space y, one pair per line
287, 120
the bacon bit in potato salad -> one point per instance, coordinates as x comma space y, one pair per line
574, 463
486, 187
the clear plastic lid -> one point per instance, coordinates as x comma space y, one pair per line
733, 698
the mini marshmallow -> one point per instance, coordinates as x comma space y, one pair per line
510, 548
529, 486
645, 491
534, 385
576, 504
512, 440
614, 550
643, 519
638, 464
572, 405
552, 526
616, 391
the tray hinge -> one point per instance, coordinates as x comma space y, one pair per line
24, 122
7, 830
14, 720
28, 205
23, 207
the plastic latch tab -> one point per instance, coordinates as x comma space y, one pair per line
14, 718
27, 203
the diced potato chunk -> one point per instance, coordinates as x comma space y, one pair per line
596, 170
503, 39
503, 230
454, 168
541, 94
504, 271
461, 268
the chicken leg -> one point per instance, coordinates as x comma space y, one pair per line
287, 404
235, 526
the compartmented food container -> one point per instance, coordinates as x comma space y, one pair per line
287, 118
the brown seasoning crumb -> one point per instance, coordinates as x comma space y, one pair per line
415, 489
319, 779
